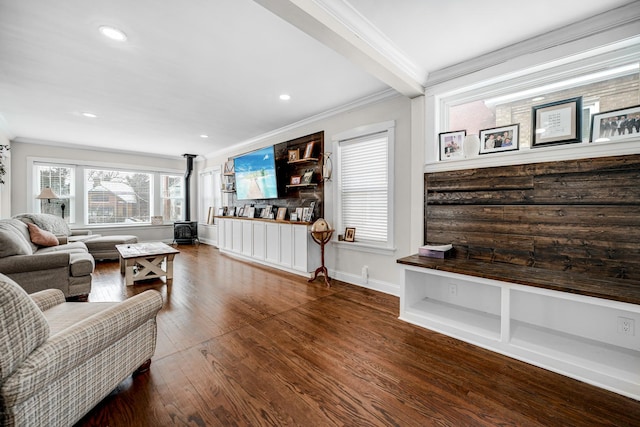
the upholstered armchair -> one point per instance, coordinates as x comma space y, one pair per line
59, 359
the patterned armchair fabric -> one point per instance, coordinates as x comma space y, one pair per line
59, 359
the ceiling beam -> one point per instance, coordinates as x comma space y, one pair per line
327, 22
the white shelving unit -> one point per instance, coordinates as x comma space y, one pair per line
574, 335
282, 245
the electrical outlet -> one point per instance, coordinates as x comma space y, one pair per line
626, 326
365, 272
453, 290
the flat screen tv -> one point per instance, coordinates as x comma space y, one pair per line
256, 175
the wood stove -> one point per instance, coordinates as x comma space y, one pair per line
186, 232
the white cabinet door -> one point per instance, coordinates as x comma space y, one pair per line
272, 243
286, 244
228, 234
258, 239
247, 238
300, 242
237, 236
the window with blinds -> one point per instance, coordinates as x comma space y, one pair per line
364, 187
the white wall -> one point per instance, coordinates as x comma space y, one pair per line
343, 262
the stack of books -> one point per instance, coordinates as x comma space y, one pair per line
436, 251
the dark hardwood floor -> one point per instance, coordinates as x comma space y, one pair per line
241, 345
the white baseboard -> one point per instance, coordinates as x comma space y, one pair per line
376, 285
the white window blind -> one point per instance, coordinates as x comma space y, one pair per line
364, 182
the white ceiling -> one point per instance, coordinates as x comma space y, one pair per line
217, 67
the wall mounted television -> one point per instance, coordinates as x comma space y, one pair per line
256, 175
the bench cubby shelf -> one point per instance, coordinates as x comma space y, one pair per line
568, 333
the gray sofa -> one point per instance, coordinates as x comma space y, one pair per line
101, 247
67, 267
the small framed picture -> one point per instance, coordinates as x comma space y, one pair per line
451, 145
299, 212
228, 167
282, 214
231, 211
306, 214
308, 151
222, 211
266, 211
557, 122
293, 216
296, 179
504, 138
615, 124
294, 155
307, 177
350, 234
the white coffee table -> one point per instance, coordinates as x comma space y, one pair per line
142, 261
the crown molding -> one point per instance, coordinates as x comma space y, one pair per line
92, 148
368, 100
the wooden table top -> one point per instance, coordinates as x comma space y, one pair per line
135, 250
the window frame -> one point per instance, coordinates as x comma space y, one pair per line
216, 197
362, 132
77, 213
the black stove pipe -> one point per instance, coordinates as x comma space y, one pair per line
187, 185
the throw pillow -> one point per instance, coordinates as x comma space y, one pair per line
42, 237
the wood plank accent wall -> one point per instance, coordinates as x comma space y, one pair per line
580, 216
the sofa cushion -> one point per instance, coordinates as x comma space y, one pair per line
51, 223
74, 247
41, 237
23, 327
81, 264
14, 238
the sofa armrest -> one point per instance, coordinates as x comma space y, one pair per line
63, 352
62, 239
29, 263
80, 232
48, 298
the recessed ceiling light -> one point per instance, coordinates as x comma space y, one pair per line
204, 136
90, 115
113, 33
285, 97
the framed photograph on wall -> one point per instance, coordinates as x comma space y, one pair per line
616, 124
557, 122
350, 234
228, 167
495, 140
295, 180
451, 145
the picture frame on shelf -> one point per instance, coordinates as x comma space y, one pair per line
615, 125
294, 155
307, 177
451, 144
282, 214
299, 212
296, 179
231, 211
308, 151
228, 167
240, 212
222, 211
306, 214
499, 139
557, 123
250, 212
266, 211
350, 234
293, 216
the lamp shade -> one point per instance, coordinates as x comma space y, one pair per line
47, 193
